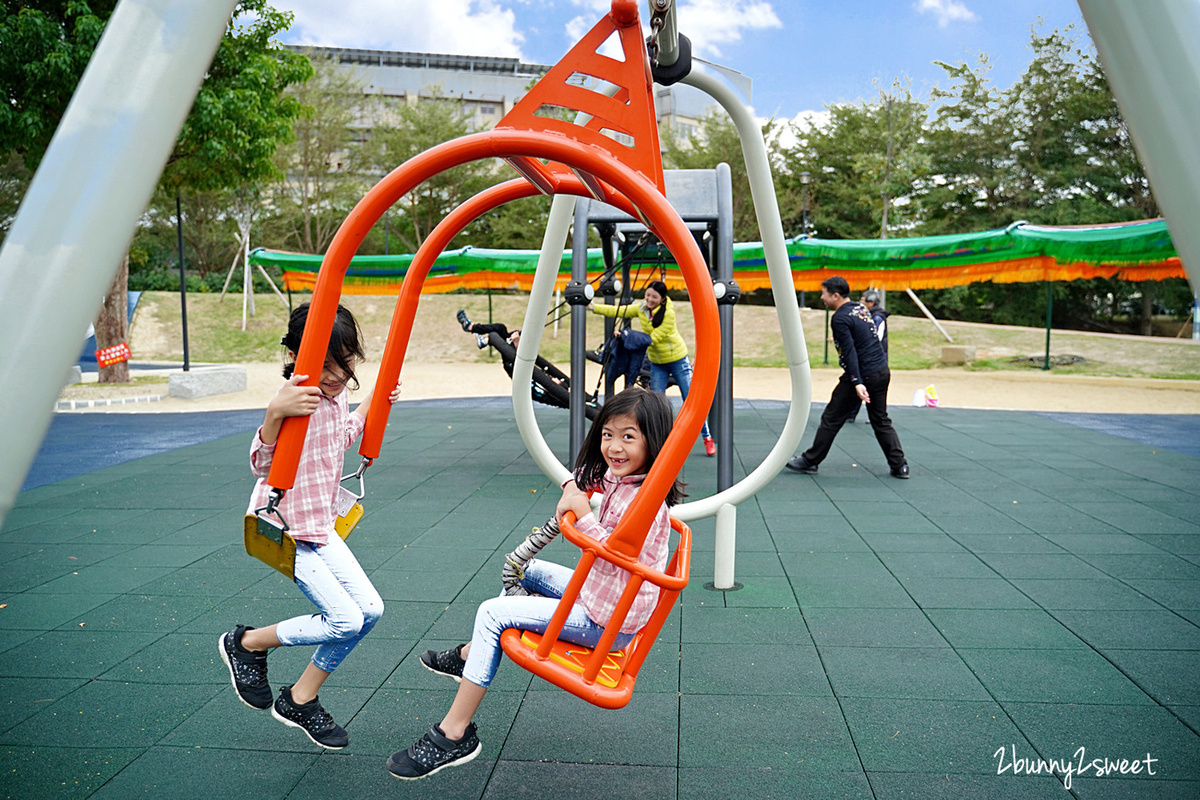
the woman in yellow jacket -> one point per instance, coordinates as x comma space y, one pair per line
668, 353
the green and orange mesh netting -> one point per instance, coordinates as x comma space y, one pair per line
1020, 253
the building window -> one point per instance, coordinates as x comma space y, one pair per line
487, 110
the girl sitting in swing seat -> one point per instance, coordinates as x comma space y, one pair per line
617, 453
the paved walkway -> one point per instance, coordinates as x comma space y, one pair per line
1034, 589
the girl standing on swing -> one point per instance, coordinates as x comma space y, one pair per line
617, 453
668, 352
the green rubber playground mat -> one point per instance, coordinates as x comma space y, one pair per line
1035, 585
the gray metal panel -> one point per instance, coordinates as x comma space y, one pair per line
691, 192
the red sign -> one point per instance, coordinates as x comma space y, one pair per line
108, 356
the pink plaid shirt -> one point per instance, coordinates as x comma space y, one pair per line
606, 581
310, 506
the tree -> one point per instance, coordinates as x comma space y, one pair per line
47, 45
1051, 149
865, 164
14, 180
321, 174
227, 140
409, 130
715, 141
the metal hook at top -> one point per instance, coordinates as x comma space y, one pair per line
362, 468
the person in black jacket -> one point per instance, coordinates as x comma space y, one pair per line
865, 378
870, 301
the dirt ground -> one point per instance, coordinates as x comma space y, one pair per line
955, 387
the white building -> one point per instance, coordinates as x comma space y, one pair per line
488, 87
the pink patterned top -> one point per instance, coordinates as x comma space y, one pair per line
310, 506
606, 581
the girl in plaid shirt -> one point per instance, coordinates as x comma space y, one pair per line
326, 570
616, 455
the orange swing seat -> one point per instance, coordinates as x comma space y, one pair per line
601, 677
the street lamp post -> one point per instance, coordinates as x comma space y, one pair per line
804, 179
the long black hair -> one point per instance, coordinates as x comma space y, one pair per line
345, 342
654, 418
660, 313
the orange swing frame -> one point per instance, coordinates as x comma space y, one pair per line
554, 157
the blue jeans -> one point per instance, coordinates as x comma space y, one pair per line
681, 371
529, 614
330, 576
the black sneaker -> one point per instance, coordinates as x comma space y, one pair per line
798, 464
432, 753
310, 718
448, 662
464, 320
901, 472
247, 669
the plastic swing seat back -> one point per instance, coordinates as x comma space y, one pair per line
269, 541
602, 678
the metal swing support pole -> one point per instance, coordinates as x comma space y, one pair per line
725, 544
579, 233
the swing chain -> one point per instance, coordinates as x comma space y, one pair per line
362, 468
658, 20
272, 507
656, 26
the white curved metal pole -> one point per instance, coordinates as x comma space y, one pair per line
1151, 57
766, 208
562, 210
84, 202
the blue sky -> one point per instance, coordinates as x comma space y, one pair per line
801, 54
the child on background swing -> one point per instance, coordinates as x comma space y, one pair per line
617, 453
326, 570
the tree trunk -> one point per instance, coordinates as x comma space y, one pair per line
111, 325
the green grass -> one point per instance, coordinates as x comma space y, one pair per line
215, 335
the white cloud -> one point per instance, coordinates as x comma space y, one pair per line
577, 27
473, 27
707, 23
947, 11
711, 23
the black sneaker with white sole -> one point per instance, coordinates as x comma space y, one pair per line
247, 669
432, 753
310, 718
463, 320
448, 662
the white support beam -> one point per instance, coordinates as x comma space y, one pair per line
80, 212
